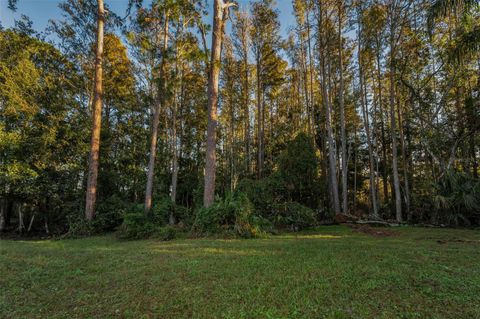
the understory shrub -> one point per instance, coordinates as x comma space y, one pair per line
163, 208
294, 216
136, 225
230, 216
457, 198
109, 215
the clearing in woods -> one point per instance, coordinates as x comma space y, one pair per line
332, 272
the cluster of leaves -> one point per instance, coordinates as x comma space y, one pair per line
289, 196
232, 215
457, 198
138, 226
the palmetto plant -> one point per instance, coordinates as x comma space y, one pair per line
457, 197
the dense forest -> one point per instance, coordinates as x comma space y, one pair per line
202, 116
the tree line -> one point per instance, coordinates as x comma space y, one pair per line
365, 108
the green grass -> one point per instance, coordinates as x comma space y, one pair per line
331, 273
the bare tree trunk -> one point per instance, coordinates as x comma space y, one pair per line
382, 129
173, 191
3, 212
310, 67
396, 179
21, 225
305, 84
343, 136
220, 12
96, 119
31, 223
404, 163
260, 132
373, 193
328, 121
246, 102
158, 103
355, 176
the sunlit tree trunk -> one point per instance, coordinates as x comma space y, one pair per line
158, 104
260, 132
373, 193
220, 11
328, 120
96, 119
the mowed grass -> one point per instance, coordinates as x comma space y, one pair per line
333, 272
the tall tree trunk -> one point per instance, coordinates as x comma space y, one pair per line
96, 118
382, 128
21, 225
220, 10
404, 163
159, 102
343, 136
174, 181
328, 121
260, 132
393, 124
373, 192
246, 102
310, 68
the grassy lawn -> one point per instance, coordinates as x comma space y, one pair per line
334, 272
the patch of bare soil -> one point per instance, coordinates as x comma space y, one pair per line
373, 231
457, 240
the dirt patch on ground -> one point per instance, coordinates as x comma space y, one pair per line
374, 231
456, 240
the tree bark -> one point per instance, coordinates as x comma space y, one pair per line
396, 179
159, 102
328, 121
382, 127
404, 163
96, 118
343, 136
373, 193
210, 162
3, 212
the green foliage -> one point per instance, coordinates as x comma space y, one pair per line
298, 168
164, 207
457, 198
231, 216
264, 193
165, 233
136, 226
294, 215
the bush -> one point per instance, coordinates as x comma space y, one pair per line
295, 216
136, 226
457, 198
79, 227
165, 233
298, 168
109, 215
264, 193
232, 215
162, 209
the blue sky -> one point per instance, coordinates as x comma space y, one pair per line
41, 11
